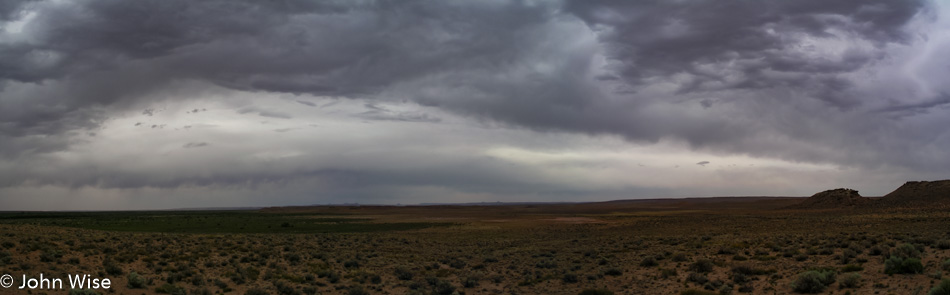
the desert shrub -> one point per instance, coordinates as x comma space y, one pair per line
375, 279
197, 280
469, 282
852, 280
457, 263
174, 277
751, 271
416, 285
51, 256
403, 273
852, 268
740, 278
136, 281
443, 288
900, 265
570, 278
545, 254
813, 281
293, 258
922, 240
726, 289
256, 291
679, 257
801, 257
858, 249
613, 272
905, 259
221, 284
790, 252
697, 278
713, 285
648, 261
876, 251
357, 290
285, 289
697, 292
170, 289
702, 265
83, 292
726, 251
5, 258
906, 251
547, 263
811, 251
946, 265
596, 292
744, 273
667, 273
941, 289
333, 277
252, 273
847, 255
112, 268
351, 264
237, 278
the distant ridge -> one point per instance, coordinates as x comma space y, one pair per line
833, 199
919, 193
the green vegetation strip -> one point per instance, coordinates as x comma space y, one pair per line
209, 222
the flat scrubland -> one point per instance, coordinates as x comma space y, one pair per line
693, 246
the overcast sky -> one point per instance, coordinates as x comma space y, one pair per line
117, 104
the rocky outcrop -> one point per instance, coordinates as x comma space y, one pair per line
833, 199
919, 193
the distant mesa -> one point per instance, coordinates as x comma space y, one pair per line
913, 194
919, 193
833, 199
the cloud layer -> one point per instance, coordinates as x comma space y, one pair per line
850, 84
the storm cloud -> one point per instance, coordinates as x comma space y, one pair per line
847, 84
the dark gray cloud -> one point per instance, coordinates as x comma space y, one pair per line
263, 112
10, 9
791, 73
651, 39
112, 53
379, 113
805, 81
306, 103
195, 145
936, 103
